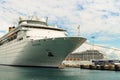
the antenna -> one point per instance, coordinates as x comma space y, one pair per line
93, 37
47, 20
78, 30
20, 18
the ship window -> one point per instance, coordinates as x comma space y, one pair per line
50, 54
27, 36
12, 37
20, 39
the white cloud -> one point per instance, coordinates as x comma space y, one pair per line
93, 16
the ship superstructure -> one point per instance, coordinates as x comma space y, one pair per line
34, 43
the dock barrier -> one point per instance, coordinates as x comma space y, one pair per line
101, 67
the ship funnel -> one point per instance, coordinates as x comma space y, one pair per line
11, 28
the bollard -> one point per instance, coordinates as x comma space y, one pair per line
98, 67
116, 68
90, 67
102, 67
81, 66
111, 67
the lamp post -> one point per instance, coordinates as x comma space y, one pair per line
78, 30
93, 37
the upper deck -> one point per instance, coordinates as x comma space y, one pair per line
32, 22
33, 26
37, 24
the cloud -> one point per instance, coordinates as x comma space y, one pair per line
96, 18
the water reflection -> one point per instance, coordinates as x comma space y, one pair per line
20, 73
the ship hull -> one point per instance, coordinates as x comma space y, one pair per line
39, 53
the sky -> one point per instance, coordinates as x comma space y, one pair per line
99, 20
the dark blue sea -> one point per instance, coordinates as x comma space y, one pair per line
25, 73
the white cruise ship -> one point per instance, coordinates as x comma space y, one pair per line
33, 43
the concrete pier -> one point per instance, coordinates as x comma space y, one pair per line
101, 67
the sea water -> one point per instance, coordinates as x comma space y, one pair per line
27, 73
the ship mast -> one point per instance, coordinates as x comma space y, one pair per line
78, 30
47, 20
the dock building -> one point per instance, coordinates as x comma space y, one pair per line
84, 57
